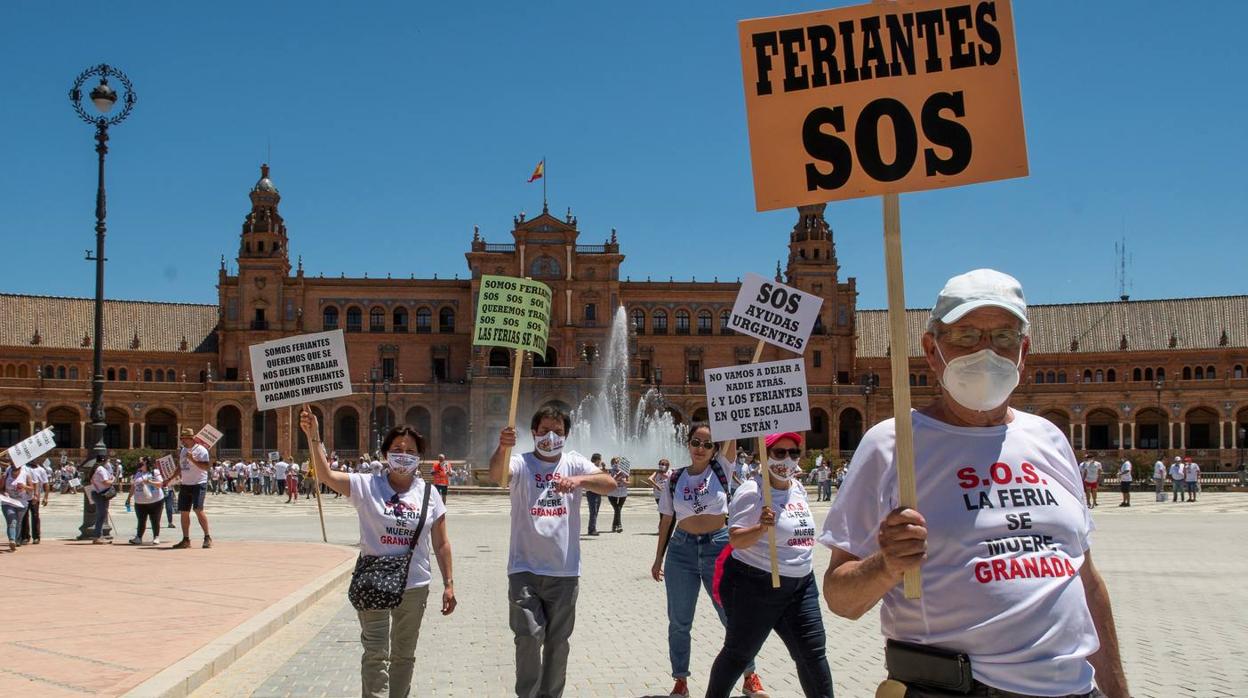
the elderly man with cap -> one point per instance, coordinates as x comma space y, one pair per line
1191, 473
1012, 604
1177, 484
193, 465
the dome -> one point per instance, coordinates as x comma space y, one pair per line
265, 184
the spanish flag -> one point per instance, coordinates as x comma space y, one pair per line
538, 171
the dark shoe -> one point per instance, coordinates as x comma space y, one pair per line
36, 541
592, 533
207, 541
617, 529
182, 544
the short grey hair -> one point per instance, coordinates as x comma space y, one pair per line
935, 327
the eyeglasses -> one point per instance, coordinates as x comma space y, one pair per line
969, 337
698, 443
780, 453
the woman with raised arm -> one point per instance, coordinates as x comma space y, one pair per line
393, 507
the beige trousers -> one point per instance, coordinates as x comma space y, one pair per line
389, 639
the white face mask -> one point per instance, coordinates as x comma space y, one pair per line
783, 469
549, 444
403, 463
981, 381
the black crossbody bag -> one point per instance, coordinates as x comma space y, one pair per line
929, 667
378, 582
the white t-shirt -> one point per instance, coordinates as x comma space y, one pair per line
1092, 471
795, 528
1176, 471
147, 487
100, 478
1192, 472
39, 475
696, 494
376, 467
279, 470
191, 473
17, 476
661, 476
388, 519
620, 490
545, 524
1007, 533
1159, 471
1124, 472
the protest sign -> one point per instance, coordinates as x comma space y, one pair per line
32, 447
881, 98
624, 466
64, 459
75, 482
274, 456
167, 466
775, 313
15, 503
753, 400
208, 436
300, 369
512, 313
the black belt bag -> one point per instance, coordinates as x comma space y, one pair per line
929, 667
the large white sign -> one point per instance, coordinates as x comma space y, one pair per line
775, 313
167, 467
32, 447
757, 399
300, 369
208, 436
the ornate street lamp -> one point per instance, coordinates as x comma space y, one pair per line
374, 377
103, 98
386, 388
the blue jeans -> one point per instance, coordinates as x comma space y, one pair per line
754, 609
12, 519
690, 563
101, 512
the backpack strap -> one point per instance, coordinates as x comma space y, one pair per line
723, 478
420, 523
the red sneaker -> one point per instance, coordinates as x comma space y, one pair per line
753, 687
680, 690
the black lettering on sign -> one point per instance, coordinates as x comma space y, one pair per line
901, 44
961, 55
847, 49
947, 133
763, 42
792, 43
931, 28
988, 33
873, 49
826, 148
823, 62
867, 140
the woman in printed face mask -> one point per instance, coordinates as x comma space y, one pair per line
388, 505
692, 509
743, 577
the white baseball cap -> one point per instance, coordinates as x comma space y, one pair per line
980, 288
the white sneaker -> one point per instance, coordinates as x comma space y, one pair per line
156, 540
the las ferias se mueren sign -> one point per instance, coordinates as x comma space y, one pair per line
513, 313
881, 98
754, 400
775, 313
295, 370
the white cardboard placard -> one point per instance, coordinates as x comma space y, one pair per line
32, 447
274, 456
775, 313
757, 399
208, 436
295, 370
167, 466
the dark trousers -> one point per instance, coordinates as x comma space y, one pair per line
101, 512
441, 491
150, 510
754, 609
595, 501
30, 521
171, 505
617, 503
281, 486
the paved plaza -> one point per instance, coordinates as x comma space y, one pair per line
1175, 572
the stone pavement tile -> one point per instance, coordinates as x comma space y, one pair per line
95, 602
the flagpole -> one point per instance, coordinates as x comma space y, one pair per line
544, 178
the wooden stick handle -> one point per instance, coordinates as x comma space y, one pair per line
511, 410
899, 353
765, 476
316, 485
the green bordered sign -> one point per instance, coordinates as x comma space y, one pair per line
512, 313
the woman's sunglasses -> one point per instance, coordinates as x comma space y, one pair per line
780, 453
698, 443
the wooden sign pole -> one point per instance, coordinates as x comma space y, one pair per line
899, 353
511, 410
316, 485
765, 476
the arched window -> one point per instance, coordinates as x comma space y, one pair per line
1161, 374
60, 372
682, 321
111, 375
1200, 373
639, 321
170, 376
73, 373
1061, 376
424, 321
446, 321
1238, 372
1111, 376
1187, 373
400, 320
123, 374
922, 379
21, 371
725, 322
329, 318
660, 322
1039, 376
1211, 373
1137, 374
1087, 375
704, 322
544, 267
1050, 377
1148, 374
914, 380
376, 320
160, 376
1100, 376
147, 375
355, 319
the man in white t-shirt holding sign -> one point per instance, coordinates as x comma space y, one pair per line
544, 562
1003, 538
193, 465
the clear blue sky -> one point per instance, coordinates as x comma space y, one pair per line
397, 126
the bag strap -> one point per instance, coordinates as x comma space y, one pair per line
420, 523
